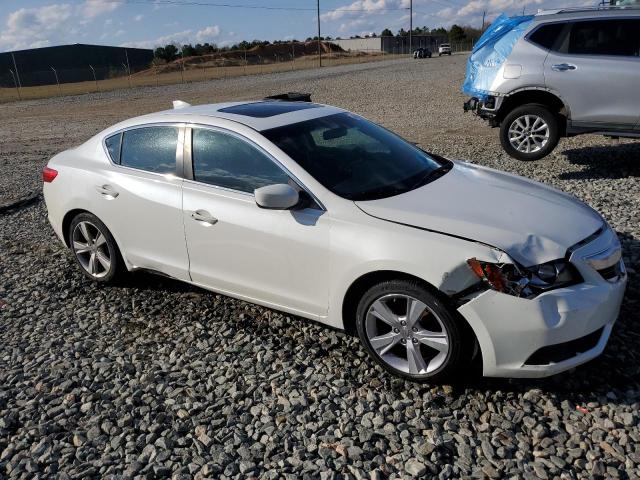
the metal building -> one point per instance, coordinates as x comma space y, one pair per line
69, 63
396, 45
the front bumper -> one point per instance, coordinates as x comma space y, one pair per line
557, 330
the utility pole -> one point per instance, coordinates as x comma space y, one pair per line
483, 14
319, 43
410, 27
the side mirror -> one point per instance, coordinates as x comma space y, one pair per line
277, 197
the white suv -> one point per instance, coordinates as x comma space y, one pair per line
444, 49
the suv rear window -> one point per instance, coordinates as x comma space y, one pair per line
546, 35
605, 37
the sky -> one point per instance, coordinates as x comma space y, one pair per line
151, 23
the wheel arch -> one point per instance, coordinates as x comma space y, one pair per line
543, 97
66, 223
367, 280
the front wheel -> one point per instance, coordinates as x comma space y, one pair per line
529, 132
410, 332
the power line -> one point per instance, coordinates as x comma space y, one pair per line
196, 3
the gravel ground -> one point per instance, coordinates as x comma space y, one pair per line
154, 378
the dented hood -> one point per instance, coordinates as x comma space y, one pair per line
531, 222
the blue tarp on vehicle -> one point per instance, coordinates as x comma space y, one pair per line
490, 52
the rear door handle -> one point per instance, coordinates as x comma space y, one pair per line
562, 67
107, 191
204, 217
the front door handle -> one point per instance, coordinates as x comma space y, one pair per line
562, 67
204, 217
107, 191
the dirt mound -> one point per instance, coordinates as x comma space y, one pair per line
260, 54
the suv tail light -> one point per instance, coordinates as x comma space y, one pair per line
49, 174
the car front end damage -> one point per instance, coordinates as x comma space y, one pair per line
539, 323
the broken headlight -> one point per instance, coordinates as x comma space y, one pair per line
526, 282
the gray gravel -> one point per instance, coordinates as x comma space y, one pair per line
154, 378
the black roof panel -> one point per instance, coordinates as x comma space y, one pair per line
267, 109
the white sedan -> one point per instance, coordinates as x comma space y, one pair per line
315, 211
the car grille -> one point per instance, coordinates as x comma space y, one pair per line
564, 351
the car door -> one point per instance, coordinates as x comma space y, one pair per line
139, 197
275, 257
595, 70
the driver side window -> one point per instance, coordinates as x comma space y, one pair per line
227, 161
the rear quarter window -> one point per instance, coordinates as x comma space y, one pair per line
113, 147
546, 36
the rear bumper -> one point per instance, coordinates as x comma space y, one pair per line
557, 330
486, 109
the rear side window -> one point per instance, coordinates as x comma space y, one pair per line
546, 35
605, 37
227, 161
113, 147
152, 149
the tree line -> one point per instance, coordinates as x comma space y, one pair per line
171, 52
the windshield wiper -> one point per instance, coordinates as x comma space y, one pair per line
432, 175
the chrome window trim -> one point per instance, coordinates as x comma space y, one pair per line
179, 149
188, 161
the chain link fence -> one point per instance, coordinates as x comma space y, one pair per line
90, 79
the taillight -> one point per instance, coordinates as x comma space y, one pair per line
49, 174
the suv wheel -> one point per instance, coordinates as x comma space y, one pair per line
410, 332
95, 249
529, 132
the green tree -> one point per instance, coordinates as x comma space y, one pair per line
167, 53
386, 33
457, 34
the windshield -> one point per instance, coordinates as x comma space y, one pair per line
355, 158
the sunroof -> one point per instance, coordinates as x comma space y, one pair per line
267, 109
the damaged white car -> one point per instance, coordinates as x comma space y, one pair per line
315, 211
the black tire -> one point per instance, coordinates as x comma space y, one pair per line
536, 110
108, 249
459, 352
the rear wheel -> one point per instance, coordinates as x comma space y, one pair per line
95, 249
410, 332
529, 132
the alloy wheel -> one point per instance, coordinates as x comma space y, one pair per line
406, 334
528, 133
91, 249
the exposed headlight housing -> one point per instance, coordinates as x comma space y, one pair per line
525, 282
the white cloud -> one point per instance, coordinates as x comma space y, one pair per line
137, 18
55, 23
207, 34
33, 27
359, 8
94, 8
